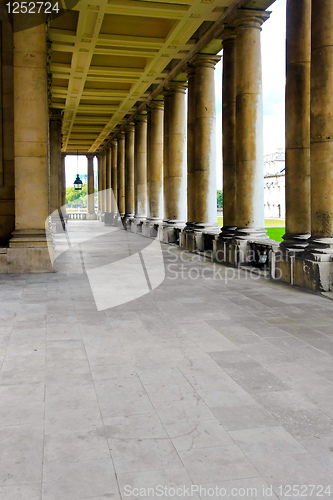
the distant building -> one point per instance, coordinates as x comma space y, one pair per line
274, 185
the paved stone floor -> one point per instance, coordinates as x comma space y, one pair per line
209, 379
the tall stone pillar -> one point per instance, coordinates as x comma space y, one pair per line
250, 220
298, 216
205, 143
229, 132
104, 181
62, 184
321, 134
91, 215
191, 186
129, 171
121, 174
155, 163
55, 185
154, 168
28, 250
140, 170
114, 177
175, 206
108, 179
100, 183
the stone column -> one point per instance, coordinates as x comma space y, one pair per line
321, 134
191, 187
114, 177
62, 184
104, 181
121, 174
175, 206
108, 179
250, 220
229, 132
129, 171
140, 167
100, 182
91, 215
205, 143
28, 250
55, 185
155, 162
298, 217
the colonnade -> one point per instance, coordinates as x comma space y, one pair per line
160, 189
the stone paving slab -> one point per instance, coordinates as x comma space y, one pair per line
210, 383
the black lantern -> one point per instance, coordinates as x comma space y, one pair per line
78, 183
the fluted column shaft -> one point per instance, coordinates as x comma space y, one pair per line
298, 217
129, 170
91, 190
191, 186
205, 141
155, 161
140, 167
108, 180
121, 174
175, 206
229, 131
249, 130
321, 132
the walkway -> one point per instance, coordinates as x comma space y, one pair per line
208, 379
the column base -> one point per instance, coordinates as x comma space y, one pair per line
91, 215
249, 233
228, 231
137, 224
127, 220
150, 227
198, 237
170, 231
29, 252
295, 241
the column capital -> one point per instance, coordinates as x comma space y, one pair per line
190, 70
90, 155
206, 60
250, 18
121, 136
114, 143
157, 103
140, 117
175, 86
228, 35
130, 127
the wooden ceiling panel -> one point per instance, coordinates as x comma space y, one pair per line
105, 56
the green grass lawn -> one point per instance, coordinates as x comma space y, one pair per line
275, 228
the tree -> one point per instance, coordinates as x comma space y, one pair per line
74, 197
219, 198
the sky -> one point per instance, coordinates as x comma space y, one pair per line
273, 66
